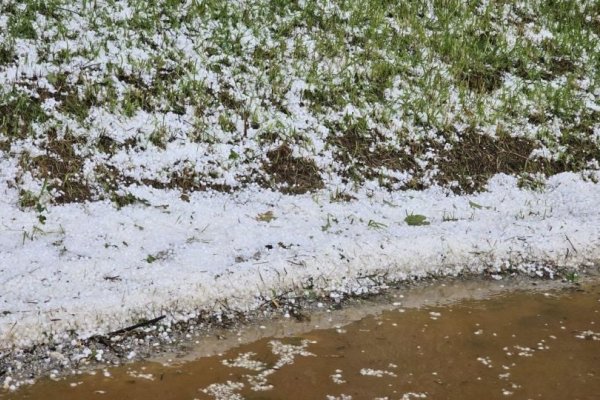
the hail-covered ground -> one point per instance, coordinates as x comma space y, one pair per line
169, 157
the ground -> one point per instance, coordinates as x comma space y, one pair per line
193, 158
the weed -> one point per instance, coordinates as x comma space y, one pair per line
35, 231
476, 206
416, 220
533, 182
449, 217
376, 225
28, 199
267, 216
159, 138
341, 196
127, 200
572, 277
329, 223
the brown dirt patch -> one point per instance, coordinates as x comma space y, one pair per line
481, 80
187, 180
61, 166
561, 66
289, 174
107, 145
465, 167
365, 152
476, 157
365, 148
110, 178
5, 146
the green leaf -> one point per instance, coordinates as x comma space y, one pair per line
233, 155
266, 216
475, 205
376, 225
416, 220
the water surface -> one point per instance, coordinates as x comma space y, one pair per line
522, 345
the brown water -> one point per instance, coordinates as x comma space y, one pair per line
522, 345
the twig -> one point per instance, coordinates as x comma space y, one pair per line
132, 327
571, 243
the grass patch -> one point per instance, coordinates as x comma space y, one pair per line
128, 199
406, 95
416, 220
62, 168
18, 113
7, 54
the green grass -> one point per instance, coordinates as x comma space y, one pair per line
18, 114
416, 219
446, 94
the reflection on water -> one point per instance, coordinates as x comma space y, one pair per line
520, 345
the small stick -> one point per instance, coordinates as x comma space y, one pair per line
571, 243
132, 327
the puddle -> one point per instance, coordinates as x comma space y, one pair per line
524, 344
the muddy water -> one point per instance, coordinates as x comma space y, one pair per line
523, 345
